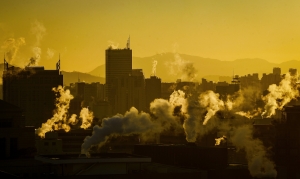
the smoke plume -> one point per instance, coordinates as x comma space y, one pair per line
259, 164
50, 53
154, 63
60, 118
113, 45
39, 30
11, 47
219, 140
185, 70
132, 122
212, 103
86, 117
280, 95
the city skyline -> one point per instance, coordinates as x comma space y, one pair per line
211, 87
79, 31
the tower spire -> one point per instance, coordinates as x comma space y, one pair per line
128, 43
58, 63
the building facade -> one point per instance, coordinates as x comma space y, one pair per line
118, 62
152, 89
31, 90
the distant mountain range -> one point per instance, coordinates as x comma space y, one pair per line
205, 67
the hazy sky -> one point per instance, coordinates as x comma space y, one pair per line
81, 30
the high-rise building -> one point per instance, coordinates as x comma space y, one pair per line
153, 90
118, 62
276, 70
130, 92
31, 90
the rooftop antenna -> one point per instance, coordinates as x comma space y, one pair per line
235, 79
58, 63
128, 43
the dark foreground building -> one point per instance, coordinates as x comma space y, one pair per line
16, 140
31, 90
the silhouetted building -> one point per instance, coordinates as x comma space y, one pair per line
272, 78
31, 90
250, 81
79, 89
16, 140
277, 71
184, 85
167, 89
118, 62
207, 85
153, 90
130, 92
225, 89
287, 145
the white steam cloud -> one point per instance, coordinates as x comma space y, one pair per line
113, 45
259, 164
181, 68
154, 64
198, 114
11, 47
39, 30
280, 95
61, 119
219, 140
134, 122
50, 53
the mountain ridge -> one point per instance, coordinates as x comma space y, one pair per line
204, 66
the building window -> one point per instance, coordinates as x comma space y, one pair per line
46, 143
53, 143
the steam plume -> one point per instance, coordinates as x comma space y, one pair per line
132, 122
39, 31
112, 45
259, 164
11, 47
50, 53
212, 103
219, 140
154, 63
59, 119
183, 68
280, 95
87, 118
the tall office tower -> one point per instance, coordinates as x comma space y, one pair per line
118, 62
130, 92
277, 70
153, 90
31, 90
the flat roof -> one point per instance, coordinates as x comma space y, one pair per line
95, 158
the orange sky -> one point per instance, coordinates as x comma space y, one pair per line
82, 30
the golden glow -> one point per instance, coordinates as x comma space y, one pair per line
220, 29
